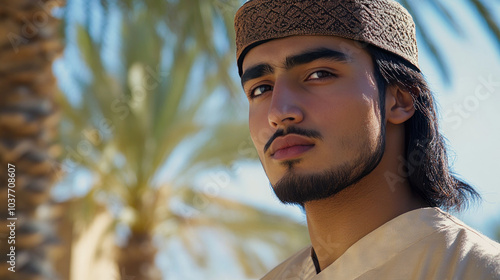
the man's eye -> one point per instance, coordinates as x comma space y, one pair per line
319, 75
260, 90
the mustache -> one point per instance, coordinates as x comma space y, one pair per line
292, 130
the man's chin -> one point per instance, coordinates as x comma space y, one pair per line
296, 172
300, 187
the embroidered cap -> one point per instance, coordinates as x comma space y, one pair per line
383, 23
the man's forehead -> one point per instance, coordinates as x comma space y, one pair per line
287, 53
276, 52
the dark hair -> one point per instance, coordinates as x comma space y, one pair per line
426, 159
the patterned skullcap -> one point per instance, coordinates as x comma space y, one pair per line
383, 23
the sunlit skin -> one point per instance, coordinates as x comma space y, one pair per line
336, 96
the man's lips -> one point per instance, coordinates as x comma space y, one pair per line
290, 146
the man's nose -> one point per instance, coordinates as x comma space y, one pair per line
285, 109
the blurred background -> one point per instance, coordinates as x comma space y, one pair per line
127, 128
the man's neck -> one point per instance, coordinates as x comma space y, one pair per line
336, 223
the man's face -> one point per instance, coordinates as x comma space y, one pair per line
314, 114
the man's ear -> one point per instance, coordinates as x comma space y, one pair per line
399, 105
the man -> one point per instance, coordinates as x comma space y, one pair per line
345, 126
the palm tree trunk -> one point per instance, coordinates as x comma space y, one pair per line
29, 43
137, 258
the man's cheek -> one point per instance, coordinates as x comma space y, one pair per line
260, 136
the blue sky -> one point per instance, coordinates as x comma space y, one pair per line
469, 109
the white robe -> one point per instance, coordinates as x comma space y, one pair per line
426, 243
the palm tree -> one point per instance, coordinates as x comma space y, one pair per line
29, 43
135, 116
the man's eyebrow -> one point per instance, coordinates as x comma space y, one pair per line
295, 60
256, 72
315, 54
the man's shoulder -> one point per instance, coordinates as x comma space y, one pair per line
298, 265
474, 252
422, 244
453, 250
458, 234
425, 243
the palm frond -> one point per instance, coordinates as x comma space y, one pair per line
447, 16
223, 144
485, 15
237, 229
427, 41
489, 19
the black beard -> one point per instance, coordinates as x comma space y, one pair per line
299, 189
